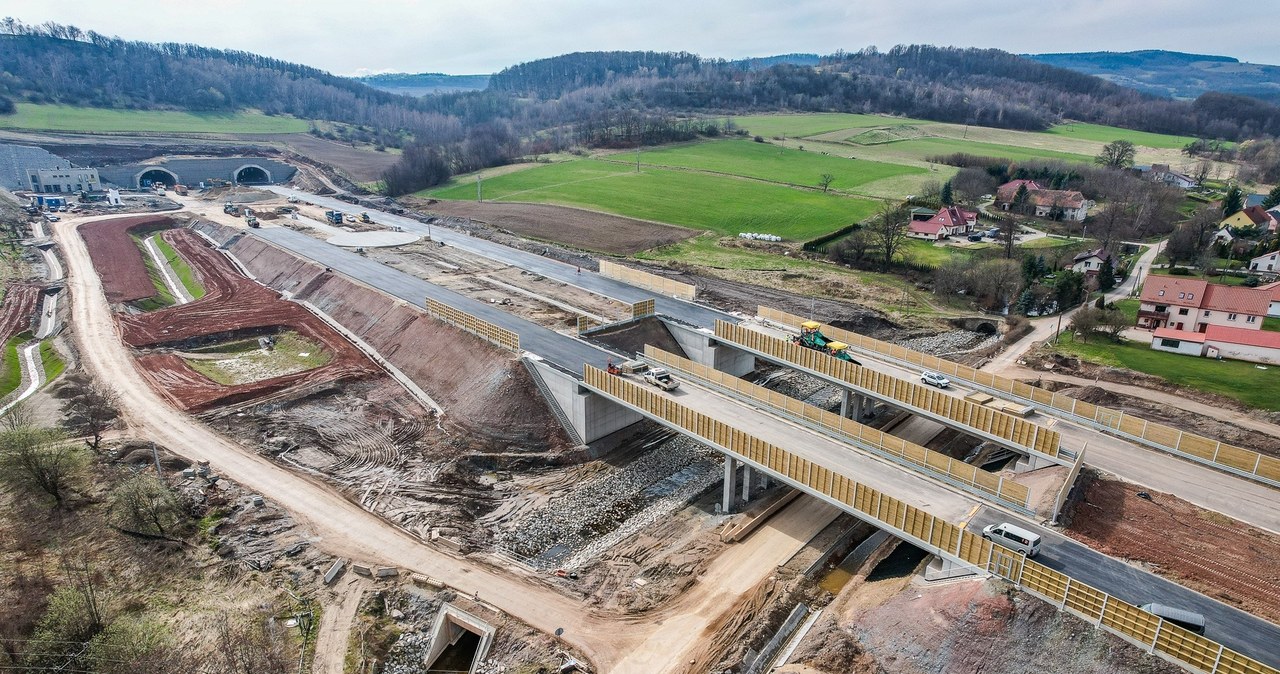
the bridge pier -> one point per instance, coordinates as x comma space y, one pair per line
852, 405
700, 345
730, 483
746, 483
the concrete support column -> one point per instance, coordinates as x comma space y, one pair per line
746, 482
730, 483
852, 404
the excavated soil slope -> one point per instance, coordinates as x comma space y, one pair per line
482, 388
117, 258
967, 627
631, 337
20, 300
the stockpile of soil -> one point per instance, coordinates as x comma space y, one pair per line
117, 258
570, 226
1181, 541
966, 627
482, 388
20, 301
631, 337
232, 304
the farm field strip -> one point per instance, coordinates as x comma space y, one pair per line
51, 117
722, 204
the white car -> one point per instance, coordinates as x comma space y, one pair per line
935, 379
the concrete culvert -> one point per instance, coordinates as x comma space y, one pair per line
156, 177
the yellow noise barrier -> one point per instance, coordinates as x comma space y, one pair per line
1209, 451
1019, 433
642, 308
648, 281
480, 328
923, 459
1187, 649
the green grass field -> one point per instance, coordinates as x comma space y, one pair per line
11, 367
99, 120
1106, 134
922, 148
811, 124
722, 204
180, 268
770, 162
245, 362
1232, 378
51, 361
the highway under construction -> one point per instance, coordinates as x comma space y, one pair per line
888, 481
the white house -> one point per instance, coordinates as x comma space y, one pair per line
1090, 262
1266, 262
1195, 305
1255, 346
950, 221
1273, 309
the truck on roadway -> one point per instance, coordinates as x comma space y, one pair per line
661, 378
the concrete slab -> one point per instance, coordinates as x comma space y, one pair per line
373, 239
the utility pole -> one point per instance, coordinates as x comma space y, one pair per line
637, 159
478, 188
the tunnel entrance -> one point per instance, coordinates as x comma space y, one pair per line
157, 176
252, 175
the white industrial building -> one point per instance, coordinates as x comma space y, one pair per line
63, 180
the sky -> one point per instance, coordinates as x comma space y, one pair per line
483, 36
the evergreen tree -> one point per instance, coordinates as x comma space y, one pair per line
1107, 276
1273, 198
947, 198
1232, 203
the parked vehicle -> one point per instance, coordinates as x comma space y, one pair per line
1013, 537
975, 237
935, 379
1187, 620
662, 379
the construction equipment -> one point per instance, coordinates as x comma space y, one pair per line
180, 190
811, 336
231, 209
662, 379
613, 369
634, 367
364, 217
840, 350
252, 221
334, 217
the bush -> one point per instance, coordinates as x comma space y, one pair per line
1251, 282
759, 139
6, 106
1179, 271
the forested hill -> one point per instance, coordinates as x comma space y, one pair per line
985, 87
1174, 74
63, 64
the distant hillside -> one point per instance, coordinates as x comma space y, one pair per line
1173, 74
762, 62
422, 84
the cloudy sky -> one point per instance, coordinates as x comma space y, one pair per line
482, 36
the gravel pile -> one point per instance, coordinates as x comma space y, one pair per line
671, 472
955, 341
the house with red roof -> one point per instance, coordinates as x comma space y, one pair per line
1273, 289
1090, 262
950, 221
1194, 305
1219, 341
1064, 204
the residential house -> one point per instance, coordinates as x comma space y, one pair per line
921, 213
1273, 309
950, 221
1254, 199
1218, 341
1194, 305
1161, 173
1067, 204
1253, 216
1090, 262
1267, 262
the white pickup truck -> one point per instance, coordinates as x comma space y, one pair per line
661, 378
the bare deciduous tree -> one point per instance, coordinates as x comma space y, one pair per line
144, 504
888, 229
41, 459
92, 412
252, 646
825, 181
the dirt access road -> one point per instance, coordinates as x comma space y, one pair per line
647, 644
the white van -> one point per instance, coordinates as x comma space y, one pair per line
1013, 536
1187, 620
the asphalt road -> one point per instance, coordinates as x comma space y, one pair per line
1229, 626
567, 352
688, 312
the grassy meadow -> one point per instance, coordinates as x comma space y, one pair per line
43, 117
